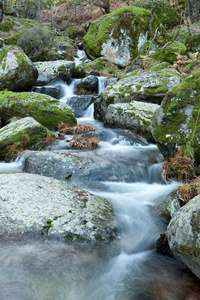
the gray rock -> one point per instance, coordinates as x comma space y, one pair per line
135, 115
126, 34
139, 86
183, 233
33, 204
89, 84
50, 70
53, 91
169, 207
26, 132
80, 103
17, 72
51, 164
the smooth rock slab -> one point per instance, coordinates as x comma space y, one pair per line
183, 233
37, 204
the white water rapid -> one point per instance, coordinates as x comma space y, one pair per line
128, 174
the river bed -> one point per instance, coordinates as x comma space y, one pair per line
126, 269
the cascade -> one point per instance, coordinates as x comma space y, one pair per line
125, 269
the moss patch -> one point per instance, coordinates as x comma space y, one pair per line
46, 110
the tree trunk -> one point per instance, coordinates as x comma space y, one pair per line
193, 10
1, 11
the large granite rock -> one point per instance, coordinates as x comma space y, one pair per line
183, 234
168, 207
45, 109
134, 115
88, 85
140, 86
176, 122
17, 72
23, 134
34, 205
119, 36
50, 70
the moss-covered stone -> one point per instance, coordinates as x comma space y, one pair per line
119, 36
138, 85
135, 116
12, 40
164, 11
20, 135
177, 123
103, 67
6, 25
168, 54
191, 40
45, 109
183, 234
17, 72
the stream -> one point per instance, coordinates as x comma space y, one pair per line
125, 269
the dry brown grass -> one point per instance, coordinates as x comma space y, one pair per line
77, 129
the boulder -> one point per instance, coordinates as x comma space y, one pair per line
45, 109
53, 91
192, 39
163, 10
88, 84
50, 70
138, 85
135, 115
80, 103
102, 66
183, 233
20, 135
169, 207
17, 72
176, 122
56, 165
120, 36
42, 207
169, 52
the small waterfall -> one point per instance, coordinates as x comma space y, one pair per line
81, 55
101, 84
68, 90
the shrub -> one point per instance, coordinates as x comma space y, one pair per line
34, 42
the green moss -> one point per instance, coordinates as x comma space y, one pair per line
46, 110
6, 26
133, 19
12, 40
163, 10
192, 251
158, 67
167, 54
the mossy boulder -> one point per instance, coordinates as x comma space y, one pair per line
39, 207
17, 72
191, 40
164, 11
176, 123
138, 85
169, 52
20, 135
135, 115
102, 66
7, 25
168, 207
87, 85
12, 40
119, 36
50, 70
183, 233
45, 109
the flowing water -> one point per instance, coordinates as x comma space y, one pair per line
126, 269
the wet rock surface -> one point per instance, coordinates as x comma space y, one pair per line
34, 204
